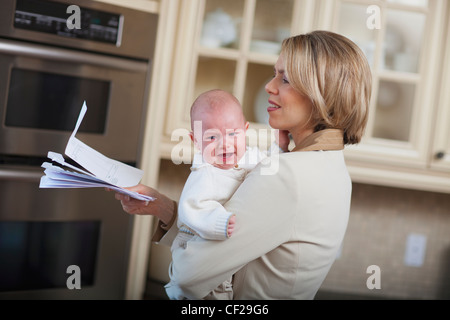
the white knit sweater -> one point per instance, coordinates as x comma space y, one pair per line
206, 190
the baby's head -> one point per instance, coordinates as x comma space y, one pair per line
218, 128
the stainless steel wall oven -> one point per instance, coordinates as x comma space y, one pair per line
47, 70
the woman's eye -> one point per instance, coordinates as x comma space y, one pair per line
285, 80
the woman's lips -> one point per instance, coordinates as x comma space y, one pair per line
270, 109
273, 106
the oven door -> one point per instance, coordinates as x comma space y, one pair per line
45, 88
60, 244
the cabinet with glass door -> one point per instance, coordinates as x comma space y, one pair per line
403, 51
440, 152
402, 40
231, 45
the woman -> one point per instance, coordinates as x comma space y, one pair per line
290, 225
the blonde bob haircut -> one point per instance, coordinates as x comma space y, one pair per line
334, 74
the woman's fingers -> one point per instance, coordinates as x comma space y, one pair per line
162, 207
122, 197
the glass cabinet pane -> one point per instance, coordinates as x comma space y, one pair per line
272, 22
403, 40
256, 98
213, 73
394, 110
222, 23
352, 24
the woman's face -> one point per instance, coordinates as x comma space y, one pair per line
288, 110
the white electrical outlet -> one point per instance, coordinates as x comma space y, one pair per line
415, 250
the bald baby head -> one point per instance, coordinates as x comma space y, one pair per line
217, 103
219, 128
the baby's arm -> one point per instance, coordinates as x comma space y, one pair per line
201, 208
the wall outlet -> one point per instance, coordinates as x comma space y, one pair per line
415, 250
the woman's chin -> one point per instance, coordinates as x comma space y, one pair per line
273, 124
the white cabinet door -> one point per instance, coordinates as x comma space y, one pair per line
401, 40
440, 153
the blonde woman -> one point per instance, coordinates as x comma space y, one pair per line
290, 225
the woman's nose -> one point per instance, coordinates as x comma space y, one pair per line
271, 87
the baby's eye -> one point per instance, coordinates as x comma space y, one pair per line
232, 134
210, 138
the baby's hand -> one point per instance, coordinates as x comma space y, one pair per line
230, 227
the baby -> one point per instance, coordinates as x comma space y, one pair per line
219, 133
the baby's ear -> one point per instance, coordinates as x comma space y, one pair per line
246, 125
192, 136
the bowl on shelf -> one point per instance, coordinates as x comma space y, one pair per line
219, 29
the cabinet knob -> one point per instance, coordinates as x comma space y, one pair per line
439, 155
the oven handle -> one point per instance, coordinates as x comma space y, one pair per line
72, 56
19, 175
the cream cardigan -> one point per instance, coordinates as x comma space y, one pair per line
289, 227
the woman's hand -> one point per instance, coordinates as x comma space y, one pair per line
134, 206
162, 207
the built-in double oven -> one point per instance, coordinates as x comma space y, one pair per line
54, 55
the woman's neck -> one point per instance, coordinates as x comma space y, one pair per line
300, 135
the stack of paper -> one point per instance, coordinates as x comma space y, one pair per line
100, 171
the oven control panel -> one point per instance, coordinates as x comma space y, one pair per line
68, 21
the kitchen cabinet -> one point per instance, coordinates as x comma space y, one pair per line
440, 153
405, 50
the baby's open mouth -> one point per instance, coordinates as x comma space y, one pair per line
227, 157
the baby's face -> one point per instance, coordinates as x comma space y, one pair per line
221, 137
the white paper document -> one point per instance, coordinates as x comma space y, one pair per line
99, 171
